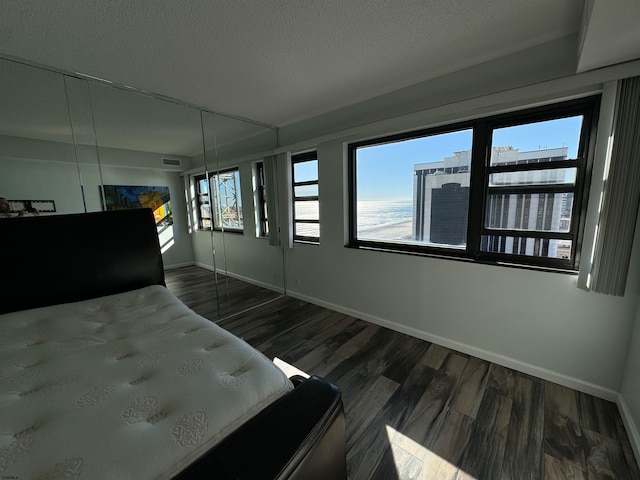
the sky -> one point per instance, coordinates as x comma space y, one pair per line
385, 172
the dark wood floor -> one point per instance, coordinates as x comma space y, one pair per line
416, 410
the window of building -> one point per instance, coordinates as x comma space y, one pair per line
260, 189
227, 202
306, 201
508, 188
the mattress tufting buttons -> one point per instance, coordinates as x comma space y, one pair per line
156, 418
140, 380
119, 354
220, 342
234, 379
141, 410
14, 452
27, 431
191, 331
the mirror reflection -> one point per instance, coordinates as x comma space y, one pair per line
72, 145
244, 193
37, 156
84, 139
142, 145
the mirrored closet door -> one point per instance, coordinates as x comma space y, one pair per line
70, 144
38, 161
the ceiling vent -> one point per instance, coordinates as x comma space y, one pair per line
171, 162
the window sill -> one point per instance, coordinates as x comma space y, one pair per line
466, 259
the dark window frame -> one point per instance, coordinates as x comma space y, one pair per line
301, 158
210, 176
481, 169
261, 207
199, 202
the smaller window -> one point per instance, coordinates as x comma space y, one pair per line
227, 203
260, 190
306, 199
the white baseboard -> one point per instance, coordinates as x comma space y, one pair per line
630, 426
258, 283
178, 265
567, 381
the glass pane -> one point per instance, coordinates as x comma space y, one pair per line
308, 230
547, 141
537, 211
228, 206
415, 191
305, 171
531, 247
307, 210
554, 176
306, 191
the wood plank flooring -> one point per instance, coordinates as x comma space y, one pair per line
416, 410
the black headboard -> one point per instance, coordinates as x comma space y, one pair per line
67, 258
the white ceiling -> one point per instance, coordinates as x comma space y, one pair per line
281, 61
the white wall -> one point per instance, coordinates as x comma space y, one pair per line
630, 390
536, 322
24, 179
40, 170
533, 321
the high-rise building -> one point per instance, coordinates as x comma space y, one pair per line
441, 202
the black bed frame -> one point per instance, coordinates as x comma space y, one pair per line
50, 260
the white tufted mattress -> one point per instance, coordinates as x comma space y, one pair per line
133, 385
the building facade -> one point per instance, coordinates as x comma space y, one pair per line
441, 203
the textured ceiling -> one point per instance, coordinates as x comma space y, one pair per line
276, 61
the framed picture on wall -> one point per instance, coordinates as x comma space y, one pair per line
122, 197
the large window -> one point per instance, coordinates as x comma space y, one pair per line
306, 201
507, 188
226, 205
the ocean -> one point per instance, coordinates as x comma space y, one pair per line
375, 218
373, 213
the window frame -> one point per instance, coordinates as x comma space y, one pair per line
198, 201
479, 189
301, 158
262, 213
211, 176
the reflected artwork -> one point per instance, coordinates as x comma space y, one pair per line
122, 197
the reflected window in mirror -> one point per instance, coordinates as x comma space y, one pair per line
225, 203
260, 198
203, 202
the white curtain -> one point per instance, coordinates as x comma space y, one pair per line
619, 212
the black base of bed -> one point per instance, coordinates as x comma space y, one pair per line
300, 436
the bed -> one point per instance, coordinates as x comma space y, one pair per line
105, 374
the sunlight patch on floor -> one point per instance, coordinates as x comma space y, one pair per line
288, 369
414, 461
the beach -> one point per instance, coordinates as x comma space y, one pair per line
400, 230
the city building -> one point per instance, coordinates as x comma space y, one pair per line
441, 200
